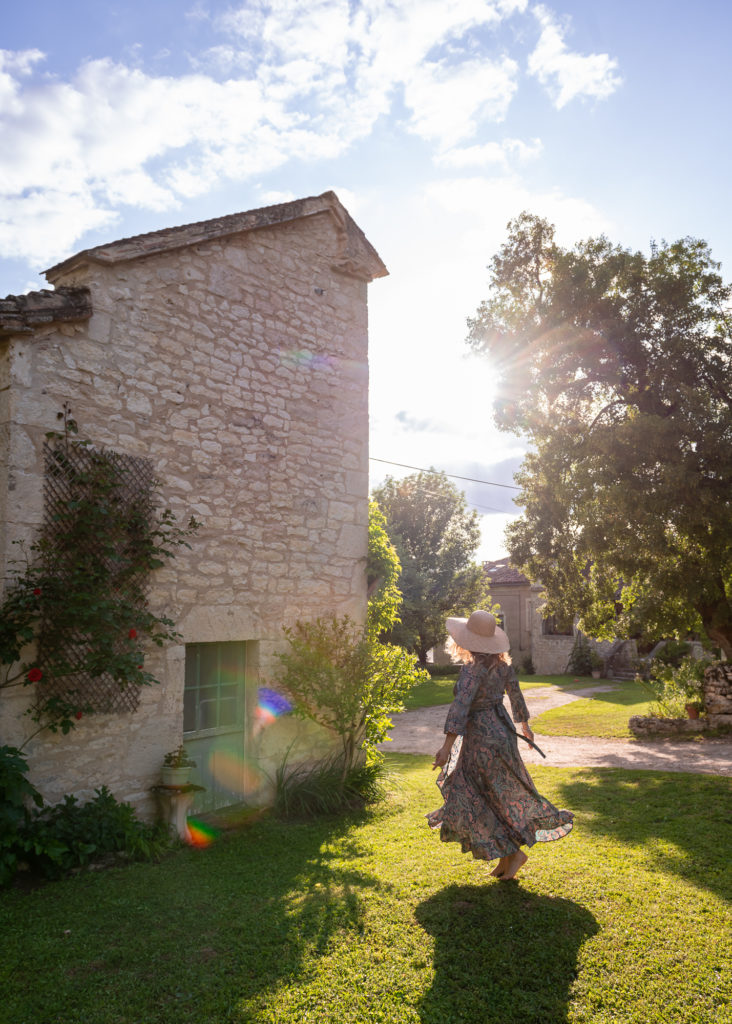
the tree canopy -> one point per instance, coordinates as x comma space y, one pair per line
436, 537
618, 368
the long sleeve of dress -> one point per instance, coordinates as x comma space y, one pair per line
465, 690
518, 704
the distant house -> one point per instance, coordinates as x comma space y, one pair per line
547, 642
232, 354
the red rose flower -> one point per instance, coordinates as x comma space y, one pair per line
35, 675
132, 633
36, 591
79, 714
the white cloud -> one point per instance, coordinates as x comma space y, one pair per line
487, 204
565, 74
498, 153
448, 101
48, 216
289, 82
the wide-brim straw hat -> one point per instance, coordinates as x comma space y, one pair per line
479, 634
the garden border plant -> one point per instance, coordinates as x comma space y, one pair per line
79, 594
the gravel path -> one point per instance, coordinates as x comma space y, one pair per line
420, 732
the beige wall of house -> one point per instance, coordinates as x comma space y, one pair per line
233, 354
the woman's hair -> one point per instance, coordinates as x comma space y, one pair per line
458, 653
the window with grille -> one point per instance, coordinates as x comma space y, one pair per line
214, 694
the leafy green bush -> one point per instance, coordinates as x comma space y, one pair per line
54, 840
341, 676
673, 652
580, 660
673, 687
16, 796
80, 834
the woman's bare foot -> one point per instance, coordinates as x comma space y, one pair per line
500, 867
515, 862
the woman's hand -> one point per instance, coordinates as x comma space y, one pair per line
442, 756
527, 732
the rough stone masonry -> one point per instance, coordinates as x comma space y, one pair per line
233, 353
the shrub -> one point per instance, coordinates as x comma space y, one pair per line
580, 660
342, 677
443, 671
81, 834
675, 687
55, 840
16, 796
673, 652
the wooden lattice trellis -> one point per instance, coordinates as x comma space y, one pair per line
70, 474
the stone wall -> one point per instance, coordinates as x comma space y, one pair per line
717, 689
238, 364
550, 654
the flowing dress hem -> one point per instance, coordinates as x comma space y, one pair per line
491, 850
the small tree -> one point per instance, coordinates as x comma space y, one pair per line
342, 677
436, 538
340, 674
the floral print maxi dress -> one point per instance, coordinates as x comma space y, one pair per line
491, 805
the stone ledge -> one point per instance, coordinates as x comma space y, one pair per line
21, 314
649, 725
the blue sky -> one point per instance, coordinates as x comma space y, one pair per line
435, 121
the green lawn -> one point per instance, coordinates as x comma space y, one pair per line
372, 919
439, 690
603, 714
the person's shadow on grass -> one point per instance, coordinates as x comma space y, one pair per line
502, 954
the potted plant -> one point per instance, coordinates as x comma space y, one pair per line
596, 664
694, 708
689, 677
177, 767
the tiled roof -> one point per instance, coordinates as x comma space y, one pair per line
503, 572
357, 256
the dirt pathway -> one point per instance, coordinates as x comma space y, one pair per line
420, 732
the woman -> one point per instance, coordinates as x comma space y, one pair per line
491, 805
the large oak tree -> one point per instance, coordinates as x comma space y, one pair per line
617, 366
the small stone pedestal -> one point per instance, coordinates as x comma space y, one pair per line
174, 803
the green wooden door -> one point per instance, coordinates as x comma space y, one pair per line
214, 722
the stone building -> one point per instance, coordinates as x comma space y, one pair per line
534, 636
232, 354
544, 639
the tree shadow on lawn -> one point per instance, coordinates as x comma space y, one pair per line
502, 955
661, 811
191, 939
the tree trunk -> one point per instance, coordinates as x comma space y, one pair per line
723, 639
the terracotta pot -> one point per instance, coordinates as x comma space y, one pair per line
692, 711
